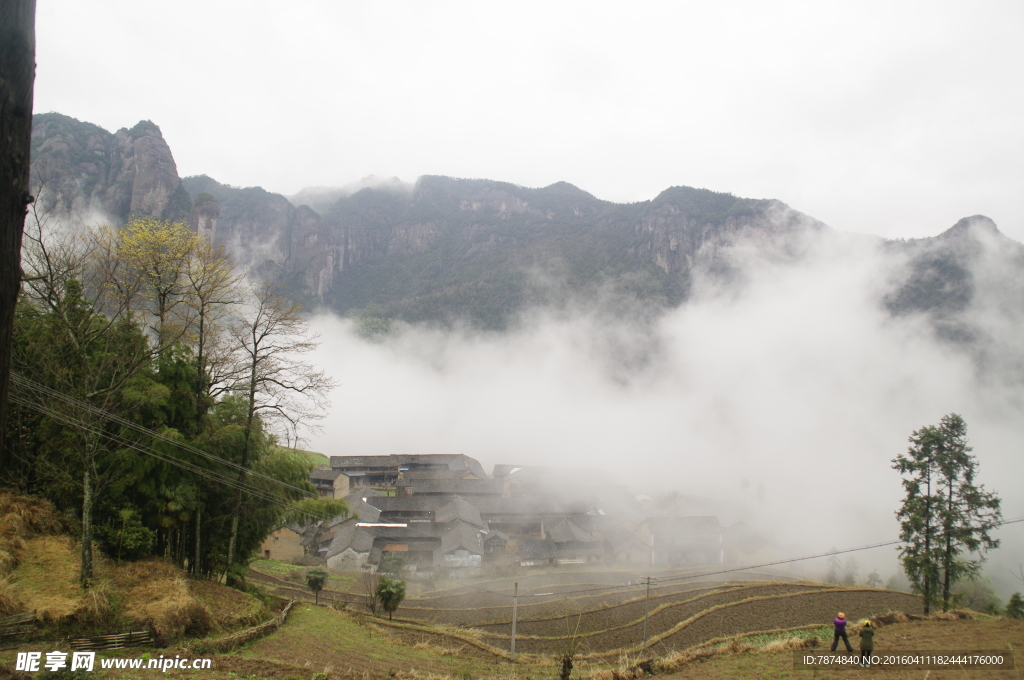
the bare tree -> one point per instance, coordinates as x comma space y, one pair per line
212, 288
280, 389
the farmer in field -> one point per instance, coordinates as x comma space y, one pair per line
840, 625
867, 643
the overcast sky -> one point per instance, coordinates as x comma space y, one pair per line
894, 118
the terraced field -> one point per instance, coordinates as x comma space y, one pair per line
680, 615
603, 611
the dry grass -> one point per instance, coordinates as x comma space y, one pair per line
10, 603
157, 595
788, 645
890, 618
459, 632
22, 518
955, 615
47, 579
439, 649
154, 592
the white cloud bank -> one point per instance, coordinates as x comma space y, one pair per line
800, 382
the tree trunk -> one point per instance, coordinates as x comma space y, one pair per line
927, 585
947, 561
17, 74
85, 576
195, 558
200, 375
234, 535
250, 417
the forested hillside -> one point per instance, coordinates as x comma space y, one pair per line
151, 385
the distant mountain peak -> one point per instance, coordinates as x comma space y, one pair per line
971, 226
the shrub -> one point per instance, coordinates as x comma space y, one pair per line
390, 593
316, 579
1015, 607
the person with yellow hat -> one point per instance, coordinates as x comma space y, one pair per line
867, 642
839, 623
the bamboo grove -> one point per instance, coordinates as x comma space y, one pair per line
152, 384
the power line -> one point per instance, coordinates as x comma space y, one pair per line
24, 383
735, 569
19, 397
68, 419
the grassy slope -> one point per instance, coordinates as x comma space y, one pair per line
317, 458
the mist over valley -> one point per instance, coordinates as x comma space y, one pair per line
736, 352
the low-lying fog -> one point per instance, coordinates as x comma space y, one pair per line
785, 400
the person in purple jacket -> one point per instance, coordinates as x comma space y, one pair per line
840, 625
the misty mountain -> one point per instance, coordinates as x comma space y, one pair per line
482, 251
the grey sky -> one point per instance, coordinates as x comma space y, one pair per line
881, 117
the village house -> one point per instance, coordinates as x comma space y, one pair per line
441, 515
329, 483
383, 472
284, 544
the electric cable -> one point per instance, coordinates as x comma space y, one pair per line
27, 384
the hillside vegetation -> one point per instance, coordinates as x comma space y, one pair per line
699, 628
40, 574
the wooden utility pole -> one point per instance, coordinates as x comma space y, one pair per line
646, 603
17, 76
515, 606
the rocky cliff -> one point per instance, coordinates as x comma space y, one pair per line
482, 250
90, 170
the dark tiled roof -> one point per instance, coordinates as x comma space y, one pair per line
567, 532
409, 503
521, 505
461, 536
455, 486
369, 462
459, 509
495, 536
357, 538
326, 474
365, 511
428, 458
451, 461
431, 473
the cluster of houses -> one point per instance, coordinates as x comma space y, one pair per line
443, 516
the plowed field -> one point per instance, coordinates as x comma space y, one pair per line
468, 627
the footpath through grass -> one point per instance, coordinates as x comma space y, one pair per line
296, 574
328, 641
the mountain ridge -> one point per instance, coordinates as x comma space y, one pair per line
447, 249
